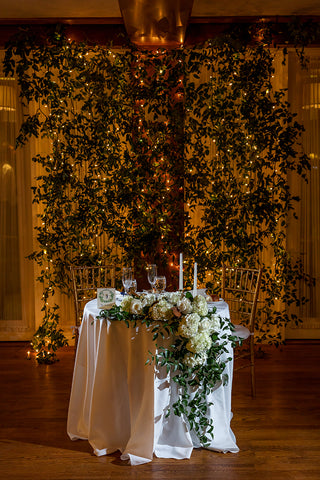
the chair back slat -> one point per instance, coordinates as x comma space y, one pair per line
86, 280
240, 289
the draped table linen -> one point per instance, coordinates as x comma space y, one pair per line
118, 402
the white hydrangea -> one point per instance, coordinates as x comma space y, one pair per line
200, 305
184, 305
209, 324
189, 325
162, 310
148, 300
136, 306
173, 297
126, 303
201, 342
191, 360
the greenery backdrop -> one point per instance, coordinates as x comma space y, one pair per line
145, 142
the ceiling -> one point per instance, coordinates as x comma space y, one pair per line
37, 9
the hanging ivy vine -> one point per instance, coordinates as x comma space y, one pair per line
247, 140
139, 143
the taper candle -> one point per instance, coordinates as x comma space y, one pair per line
195, 279
181, 273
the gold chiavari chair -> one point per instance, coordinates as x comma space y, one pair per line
240, 289
85, 281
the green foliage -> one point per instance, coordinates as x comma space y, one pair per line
48, 338
139, 142
242, 187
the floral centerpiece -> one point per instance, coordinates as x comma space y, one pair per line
197, 339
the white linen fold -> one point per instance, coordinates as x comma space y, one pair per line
134, 459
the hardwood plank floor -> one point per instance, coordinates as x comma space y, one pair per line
278, 432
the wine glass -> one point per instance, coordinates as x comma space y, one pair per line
133, 287
152, 273
160, 284
126, 278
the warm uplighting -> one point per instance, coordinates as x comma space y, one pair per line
312, 96
7, 96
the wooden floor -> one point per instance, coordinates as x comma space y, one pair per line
278, 432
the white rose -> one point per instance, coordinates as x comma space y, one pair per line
199, 343
136, 307
126, 303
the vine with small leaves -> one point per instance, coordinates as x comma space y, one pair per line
139, 143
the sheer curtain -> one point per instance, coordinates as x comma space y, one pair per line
304, 233
16, 273
10, 288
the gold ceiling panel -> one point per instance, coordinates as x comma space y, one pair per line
156, 22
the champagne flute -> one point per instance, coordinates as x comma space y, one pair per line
126, 278
160, 284
152, 273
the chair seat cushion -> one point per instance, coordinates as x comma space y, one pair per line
242, 332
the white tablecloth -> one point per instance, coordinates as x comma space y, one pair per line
118, 402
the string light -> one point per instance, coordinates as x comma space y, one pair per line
168, 182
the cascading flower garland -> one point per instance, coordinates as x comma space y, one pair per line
198, 337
